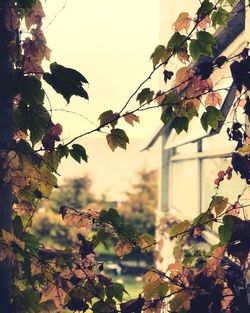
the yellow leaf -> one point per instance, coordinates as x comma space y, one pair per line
146, 241
123, 248
245, 149
9, 238
182, 22
155, 289
150, 276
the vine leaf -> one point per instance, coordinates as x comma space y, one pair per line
146, 241
9, 238
131, 118
220, 17
108, 117
205, 9
181, 299
177, 42
123, 248
211, 117
203, 45
160, 54
146, 95
180, 123
180, 228
54, 293
219, 204
213, 98
78, 153
155, 288
182, 22
66, 81
117, 138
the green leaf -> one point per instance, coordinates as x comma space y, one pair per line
205, 9
203, 45
167, 115
146, 95
63, 151
78, 153
190, 112
232, 2
160, 54
172, 98
101, 307
205, 219
117, 138
108, 117
207, 39
156, 289
118, 290
220, 17
30, 89
111, 217
36, 119
226, 230
32, 243
179, 228
180, 123
66, 81
211, 118
176, 42
219, 204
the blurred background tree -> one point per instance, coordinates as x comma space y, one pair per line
75, 193
141, 202
48, 224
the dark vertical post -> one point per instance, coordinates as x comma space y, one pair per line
6, 125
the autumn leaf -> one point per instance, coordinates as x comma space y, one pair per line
146, 241
123, 248
150, 276
182, 22
9, 238
131, 118
108, 117
182, 55
156, 288
146, 95
213, 98
181, 299
181, 78
219, 204
54, 293
205, 22
179, 228
117, 138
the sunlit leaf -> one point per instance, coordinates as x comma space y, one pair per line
117, 138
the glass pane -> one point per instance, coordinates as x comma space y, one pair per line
184, 186
228, 188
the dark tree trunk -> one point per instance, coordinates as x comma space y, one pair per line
6, 125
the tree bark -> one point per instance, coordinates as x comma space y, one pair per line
6, 130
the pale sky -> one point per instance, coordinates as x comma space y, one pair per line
110, 43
